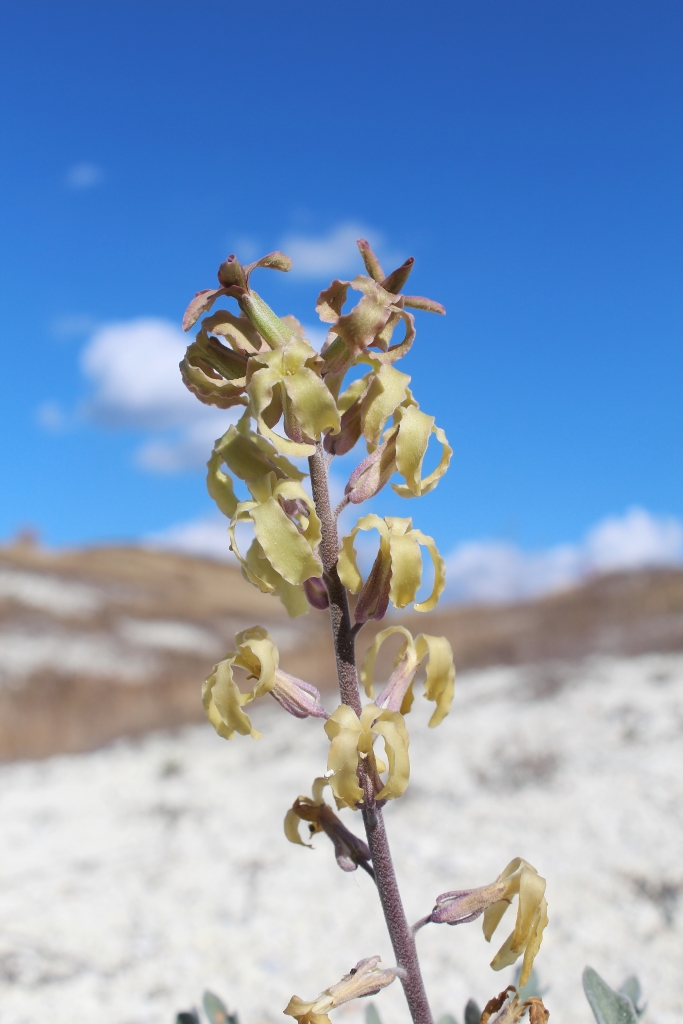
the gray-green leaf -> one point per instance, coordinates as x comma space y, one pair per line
215, 1010
608, 1006
187, 1017
448, 1019
371, 1014
472, 1012
632, 989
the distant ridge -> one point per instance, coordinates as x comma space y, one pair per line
101, 642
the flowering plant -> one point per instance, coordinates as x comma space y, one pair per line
303, 404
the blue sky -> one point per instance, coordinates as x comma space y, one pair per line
528, 154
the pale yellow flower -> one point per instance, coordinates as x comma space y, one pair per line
257, 654
286, 382
352, 739
287, 532
366, 407
365, 979
397, 572
397, 695
518, 878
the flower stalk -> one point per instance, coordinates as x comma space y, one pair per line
295, 407
343, 638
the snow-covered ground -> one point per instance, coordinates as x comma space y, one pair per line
135, 877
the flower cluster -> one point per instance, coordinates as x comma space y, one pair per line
263, 362
291, 402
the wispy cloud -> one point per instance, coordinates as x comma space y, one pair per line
72, 325
206, 536
331, 255
83, 175
492, 571
50, 416
132, 369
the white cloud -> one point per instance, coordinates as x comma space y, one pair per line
206, 537
330, 255
635, 539
83, 175
492, 571
133, 370
488, 571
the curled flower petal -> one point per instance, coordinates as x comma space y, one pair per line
351, 738
202, 302
312, 405
331, 301
344, 730
222, 702
258, 655
238, 331
432, 651
386, 391
400, 551
260, 573
251, 457
411, 446
391, 727
282, 544
272, 261
518, 878
219, 485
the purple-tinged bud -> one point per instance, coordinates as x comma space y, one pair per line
316, 593
231, 273
301, 699
370, 476
463, 905
349, 433
372, 264
395, 281
392, 696
373, 599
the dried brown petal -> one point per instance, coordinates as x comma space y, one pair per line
495, 1004
537, 1011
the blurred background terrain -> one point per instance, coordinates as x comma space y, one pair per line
98, 643
529, 156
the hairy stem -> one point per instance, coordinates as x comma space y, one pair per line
344, 635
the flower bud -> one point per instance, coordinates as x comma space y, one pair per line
316, 593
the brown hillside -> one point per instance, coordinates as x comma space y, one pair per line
102, 642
